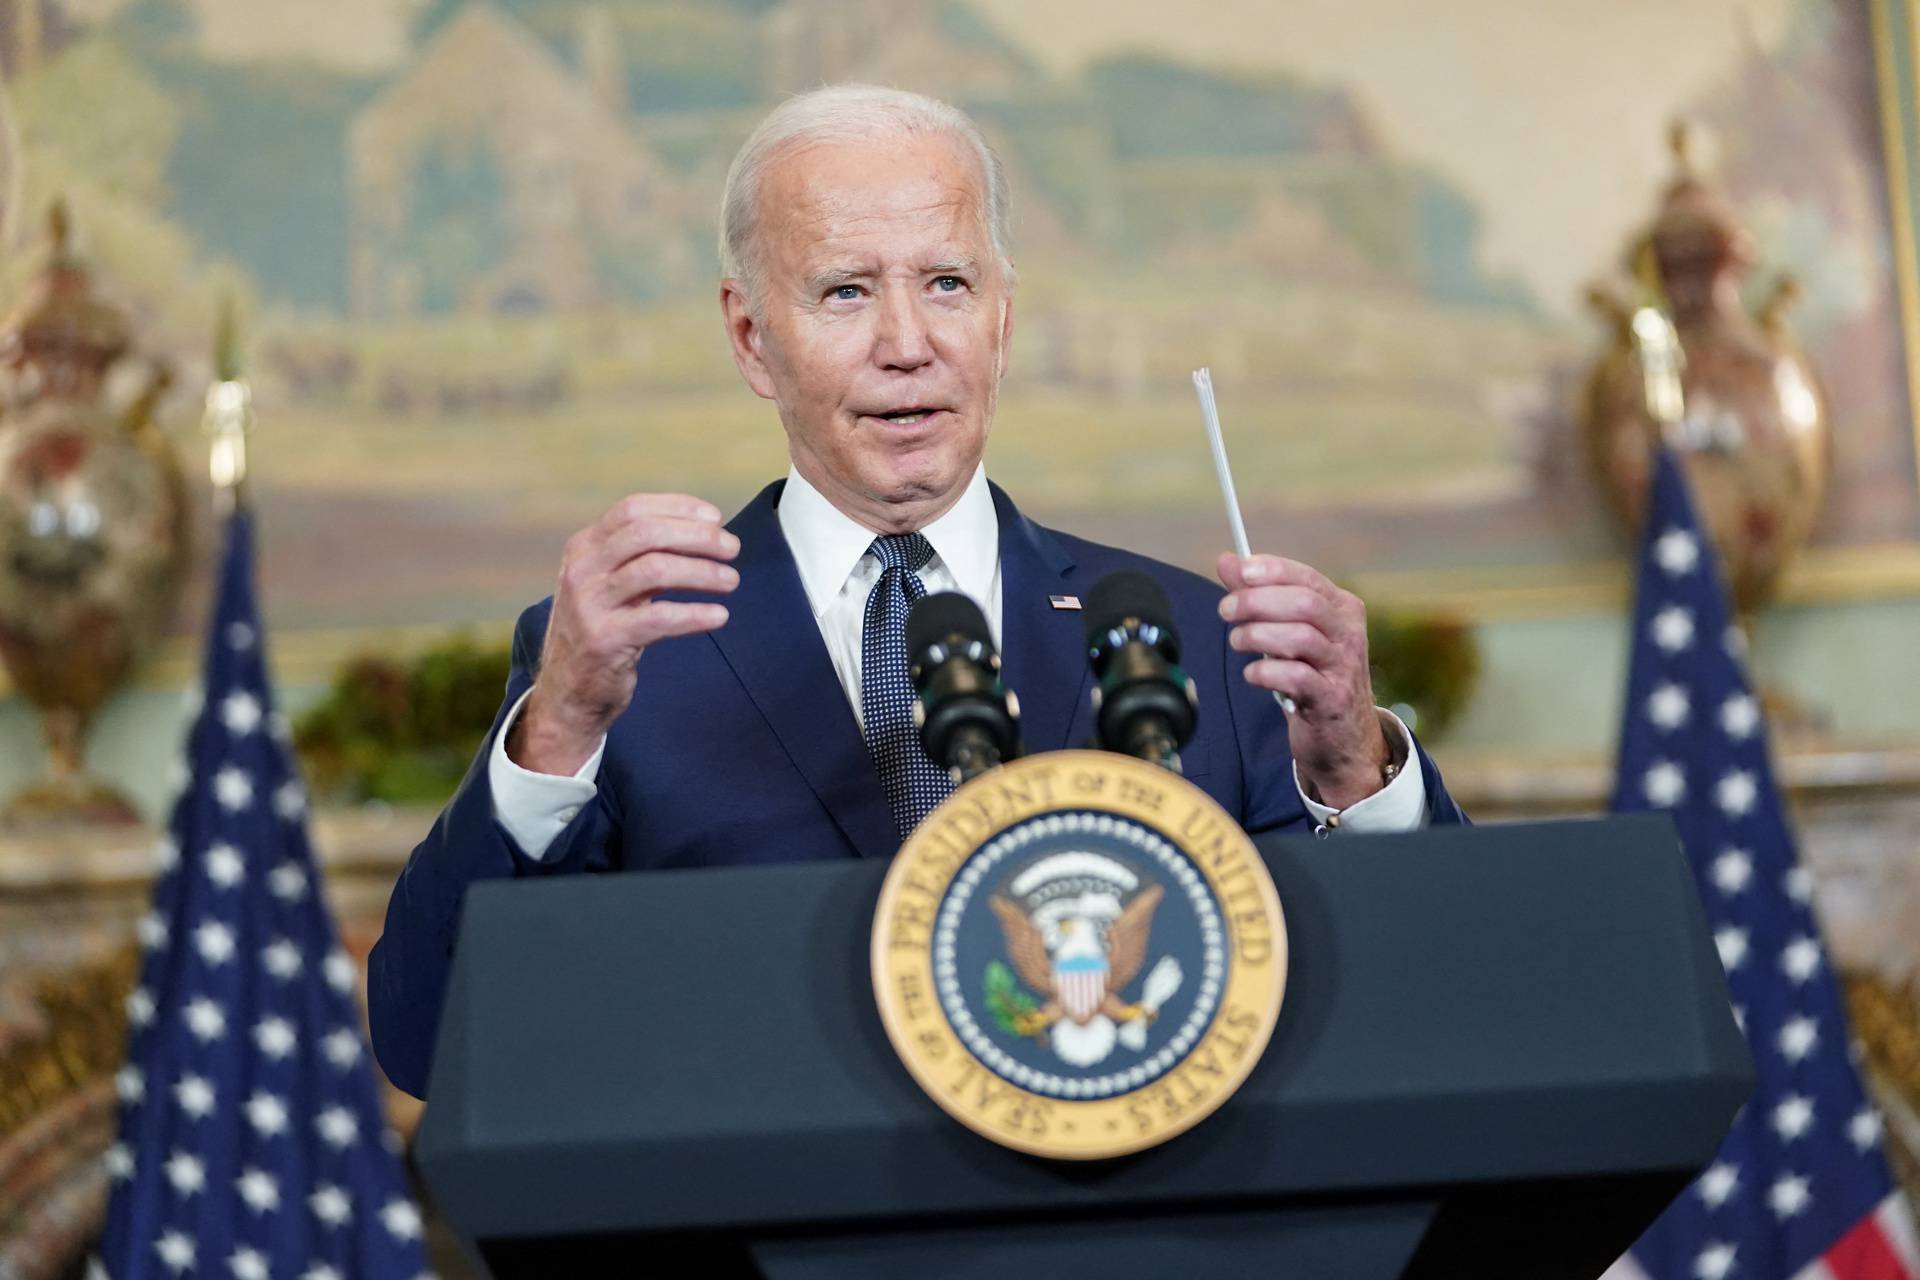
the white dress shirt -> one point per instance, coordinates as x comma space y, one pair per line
830, 550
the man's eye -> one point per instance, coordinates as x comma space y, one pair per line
847, 292
949, 284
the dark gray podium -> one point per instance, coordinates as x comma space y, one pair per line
1502, 1051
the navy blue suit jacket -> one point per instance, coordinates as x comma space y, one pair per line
740, 748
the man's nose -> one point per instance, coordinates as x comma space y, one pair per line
901, 340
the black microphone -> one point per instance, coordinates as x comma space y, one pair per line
1144, 704
968, 720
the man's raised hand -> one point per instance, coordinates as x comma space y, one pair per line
606, 611
1313, 636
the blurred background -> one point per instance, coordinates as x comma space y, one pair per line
464, 252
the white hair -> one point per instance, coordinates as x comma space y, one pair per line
845, 113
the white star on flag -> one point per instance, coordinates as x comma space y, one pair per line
1864, 1129
275, 1036
1668, 706
1732, 870
118, 1162
330, 1205
401, 1219
1798, 1037
166, 854
240, 712
1718, 1182
1801, 959
320, 1271
1799, 885
205, 1019
267, 1114
1665, 784
214, 942
1673, 628
152, 931
281, 959
1715, 1262
240, 636
337, 1127
233, 788
1736, 792
195, 1095
342, 1047
225, 867
1793, 1117
259, 1189
249, 1264
1731, 942
1739, 716
130, 1083
287, 882
139, 1006
1677, 551
290, 801
340, 972
187, 1174
1788, 1196
176, 1251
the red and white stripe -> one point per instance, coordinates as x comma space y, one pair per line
1081, 991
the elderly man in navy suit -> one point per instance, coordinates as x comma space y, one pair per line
699, 694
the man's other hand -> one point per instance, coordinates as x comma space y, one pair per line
1313, 636
606, 612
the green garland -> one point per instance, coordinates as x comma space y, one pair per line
402, 730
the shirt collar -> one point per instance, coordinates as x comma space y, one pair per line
828, 544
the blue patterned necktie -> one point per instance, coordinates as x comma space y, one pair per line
914, 784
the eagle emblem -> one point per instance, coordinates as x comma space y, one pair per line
1077, 926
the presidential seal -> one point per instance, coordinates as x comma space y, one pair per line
1079, 955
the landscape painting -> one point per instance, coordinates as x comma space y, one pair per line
473, 245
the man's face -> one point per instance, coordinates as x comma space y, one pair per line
883, 322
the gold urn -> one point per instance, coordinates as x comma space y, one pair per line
93, 524
1752, 432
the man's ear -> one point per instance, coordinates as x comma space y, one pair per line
746, 337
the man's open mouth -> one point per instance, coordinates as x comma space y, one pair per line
905, 417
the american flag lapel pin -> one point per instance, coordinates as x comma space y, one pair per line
1064, 602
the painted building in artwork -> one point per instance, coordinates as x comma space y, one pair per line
495, 176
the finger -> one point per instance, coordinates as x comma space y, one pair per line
1296, 680
1281, 604
1294, 640
676, 506
656, 571
1229, 566
1268, 571
665, 619
666, 533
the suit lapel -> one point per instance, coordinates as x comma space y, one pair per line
775, 648
1041, 647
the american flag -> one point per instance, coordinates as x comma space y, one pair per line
1800, 1187
251, 1143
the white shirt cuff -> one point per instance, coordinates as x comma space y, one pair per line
1401, 805
536, 807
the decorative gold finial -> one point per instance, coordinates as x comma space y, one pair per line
1694, 149
229, 413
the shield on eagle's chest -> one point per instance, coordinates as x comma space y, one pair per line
1081, 984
